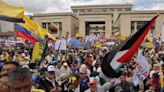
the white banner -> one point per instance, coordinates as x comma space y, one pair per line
10, 43
162, 36
90, 38
142, 69
60, 45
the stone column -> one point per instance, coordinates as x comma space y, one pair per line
108, 26
82, 27
135, 26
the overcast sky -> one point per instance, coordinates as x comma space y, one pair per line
52, 6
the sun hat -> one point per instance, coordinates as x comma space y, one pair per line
63, 77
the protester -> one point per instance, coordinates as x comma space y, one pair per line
20, 80
124, 85
7, 67
4, 84
48, 83
78, 69
154, 83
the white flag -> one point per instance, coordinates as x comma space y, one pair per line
142, 69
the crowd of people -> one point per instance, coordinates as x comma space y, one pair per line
73, 70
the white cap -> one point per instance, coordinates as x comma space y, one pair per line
25, 51
50, 68
65, 64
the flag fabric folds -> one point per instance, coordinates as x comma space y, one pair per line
122, 54
25, 34
11, 13
33, 27
38, 51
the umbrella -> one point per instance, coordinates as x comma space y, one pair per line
82, 45
73, 42
148, 45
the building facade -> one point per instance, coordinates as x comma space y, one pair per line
107, 19
88, 19
7, 30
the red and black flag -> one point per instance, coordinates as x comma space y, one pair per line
122, 54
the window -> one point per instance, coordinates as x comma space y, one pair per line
132, 27
119, 9
44, 25
112, 9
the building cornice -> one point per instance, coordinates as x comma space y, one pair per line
54, 14
143, 12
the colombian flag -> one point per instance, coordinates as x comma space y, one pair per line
25, 34
33, 27
11, 13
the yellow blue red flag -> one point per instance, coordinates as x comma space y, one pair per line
11, 13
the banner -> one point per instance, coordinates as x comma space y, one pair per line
60, 45
10, 43
142, 69
91, 38
162, 35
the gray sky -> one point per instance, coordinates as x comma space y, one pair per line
52, 6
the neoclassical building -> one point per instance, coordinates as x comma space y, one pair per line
106, 18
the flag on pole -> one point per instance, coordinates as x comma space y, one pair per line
38, 31
11, 13
35, 29
162, 35
122, 54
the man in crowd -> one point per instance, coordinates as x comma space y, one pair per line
4, 84
65, 69
124, 85
20, 80
7, 67
154, 83
83, 79
48, 83
75, 83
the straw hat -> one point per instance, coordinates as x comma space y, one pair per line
62, 78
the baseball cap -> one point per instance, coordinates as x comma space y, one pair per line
74, 78
50, 68
65, 64
25, 51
